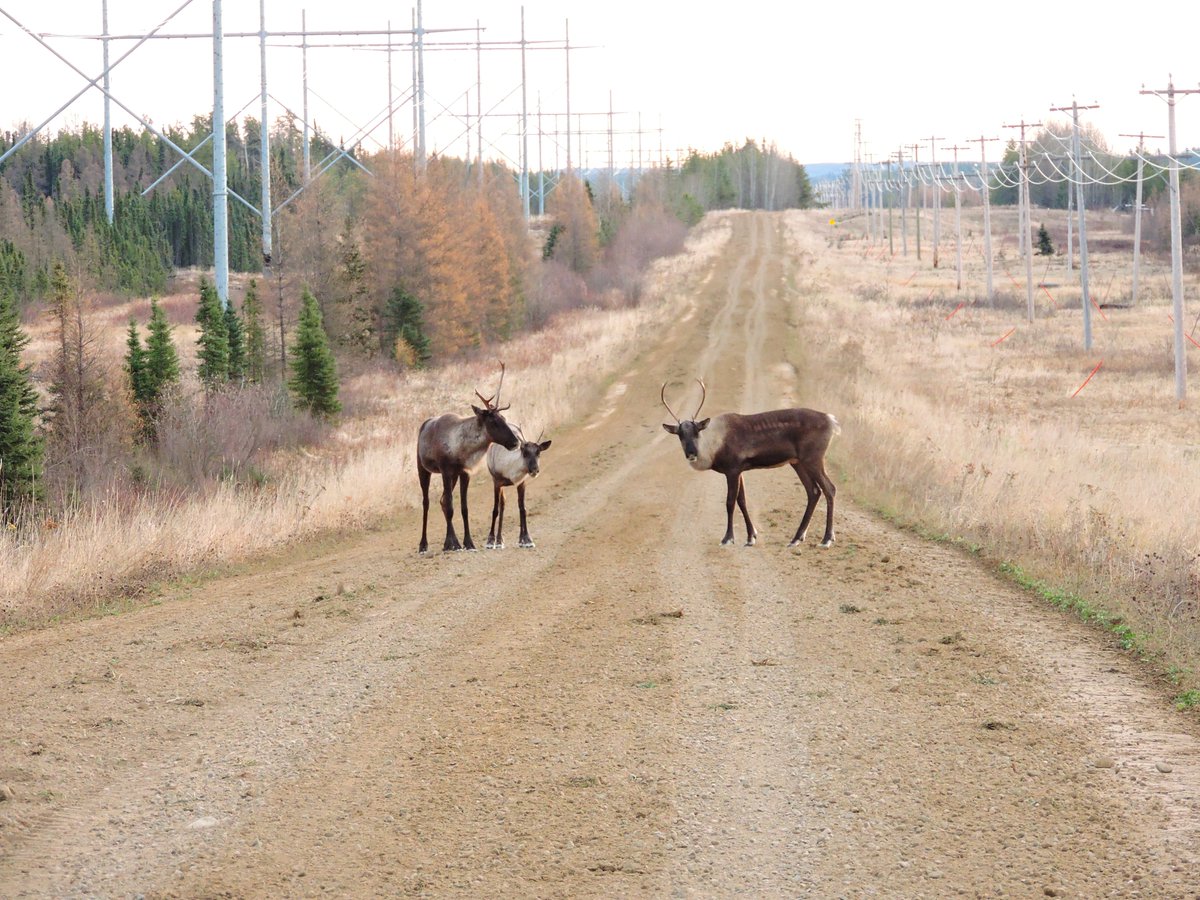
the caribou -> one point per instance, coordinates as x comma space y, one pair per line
508, 468
732, 444
454, 447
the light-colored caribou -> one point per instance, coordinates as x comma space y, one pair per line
508, 468
732, 443
454, 447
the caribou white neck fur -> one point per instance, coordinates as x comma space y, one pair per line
708, 442
507, 465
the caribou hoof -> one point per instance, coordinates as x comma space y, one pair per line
527, 544
825, 545
796, 543
727, 542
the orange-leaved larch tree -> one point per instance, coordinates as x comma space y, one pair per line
578, 243
435, 237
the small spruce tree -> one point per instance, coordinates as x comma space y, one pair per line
135, 366
153, 370
162, 359
405, 318
314, 374
21, 448
256, 335
214, 337
1044, 247
237, 346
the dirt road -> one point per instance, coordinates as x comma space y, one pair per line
628, 710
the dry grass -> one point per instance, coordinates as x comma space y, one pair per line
363, 474
952, 428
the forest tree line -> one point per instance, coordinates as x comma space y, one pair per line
395, 268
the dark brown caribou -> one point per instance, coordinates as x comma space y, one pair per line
454, 447
732, 444
509, 467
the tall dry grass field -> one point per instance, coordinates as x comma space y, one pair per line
964, 418
366, 472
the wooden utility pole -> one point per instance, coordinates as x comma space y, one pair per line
957, 218
916, 149
937, 196
905, 192
1176, 239
1137, 210
1081, 207
987, 213
891, 239
1026, 239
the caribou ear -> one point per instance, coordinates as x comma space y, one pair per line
671, 429
543, 446
477, 410
700, 426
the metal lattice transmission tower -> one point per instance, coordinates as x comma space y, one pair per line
304, 40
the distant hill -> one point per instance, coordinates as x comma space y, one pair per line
825, 171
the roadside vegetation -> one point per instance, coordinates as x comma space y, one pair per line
1083, 492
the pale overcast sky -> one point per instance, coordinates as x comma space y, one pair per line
691, 74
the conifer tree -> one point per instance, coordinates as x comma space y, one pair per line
20, 446
314, 374
256, 335
78, 416
214, 337
405, 317
237, 345
1044, 247
356, 325
135, 366
154, 369
162, 359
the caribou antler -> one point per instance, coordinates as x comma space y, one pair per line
500, 385
703, 396
663, 396
493, 402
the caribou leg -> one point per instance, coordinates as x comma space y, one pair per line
827, 486
423, 476
751, 534
813, 493
448, 510
464, 481
733, 482
494, 541
525, 540
500, 522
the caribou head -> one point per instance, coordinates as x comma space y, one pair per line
492, 422
688, 431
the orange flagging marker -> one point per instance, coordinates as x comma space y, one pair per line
1188, 336
1004, 336
956, 309
1089, 378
